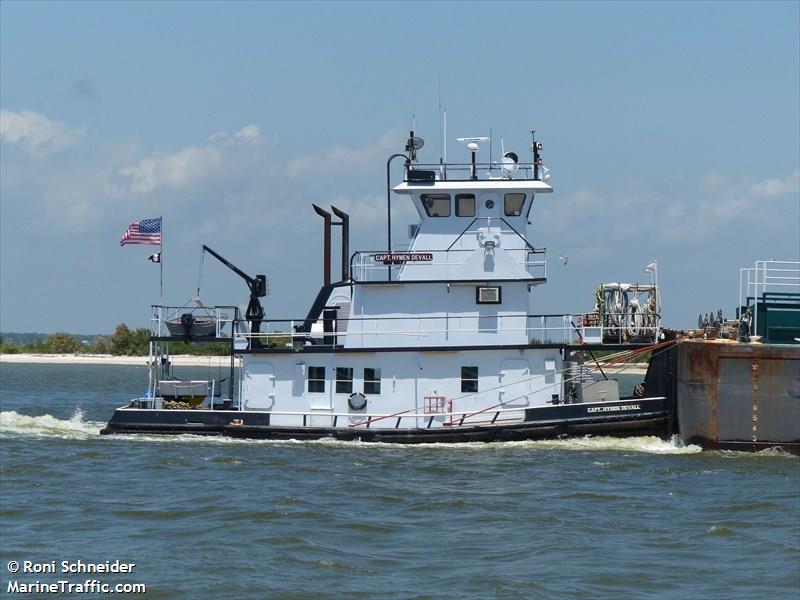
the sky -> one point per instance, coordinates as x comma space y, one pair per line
672, 131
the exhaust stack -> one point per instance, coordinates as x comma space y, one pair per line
326, 253
345, 225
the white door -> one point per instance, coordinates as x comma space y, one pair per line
258, 387
515, 383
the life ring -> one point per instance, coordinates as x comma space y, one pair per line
357, 401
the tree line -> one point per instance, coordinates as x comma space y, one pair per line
123, 342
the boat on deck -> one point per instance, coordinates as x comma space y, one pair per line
433, 342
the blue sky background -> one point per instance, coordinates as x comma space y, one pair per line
672, 131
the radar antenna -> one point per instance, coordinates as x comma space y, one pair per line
473, 145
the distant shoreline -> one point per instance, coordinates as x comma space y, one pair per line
186, 360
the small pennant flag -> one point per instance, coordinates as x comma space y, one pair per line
156, 258
651, 268
146, 232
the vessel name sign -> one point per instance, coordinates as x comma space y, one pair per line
594, 409
404, 257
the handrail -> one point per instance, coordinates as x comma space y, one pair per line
759, 278
524, 172
221, 314
363, 269
537, 329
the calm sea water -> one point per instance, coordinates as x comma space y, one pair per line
215, 518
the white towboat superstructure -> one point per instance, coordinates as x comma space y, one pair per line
434, 342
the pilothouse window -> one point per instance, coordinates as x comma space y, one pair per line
316, 380
513, 204
465, 205
436, 205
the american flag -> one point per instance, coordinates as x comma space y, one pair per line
146, 232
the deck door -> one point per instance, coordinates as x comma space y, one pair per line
515, 385
258, 387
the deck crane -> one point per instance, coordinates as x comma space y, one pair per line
258, 289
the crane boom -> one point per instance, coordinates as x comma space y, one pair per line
258, 289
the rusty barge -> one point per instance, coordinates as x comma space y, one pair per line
741, 390
738, 396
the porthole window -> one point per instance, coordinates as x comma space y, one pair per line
469, 379
316, 380
372, 381
436, 205
344, 380
465, 205
513, 204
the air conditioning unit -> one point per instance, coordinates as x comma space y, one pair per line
488, 295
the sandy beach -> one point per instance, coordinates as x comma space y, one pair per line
185, 360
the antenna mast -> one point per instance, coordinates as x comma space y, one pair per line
445, 135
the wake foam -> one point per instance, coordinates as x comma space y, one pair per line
76, 427
648, 444
642, 444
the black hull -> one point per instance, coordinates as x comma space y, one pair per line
619, 419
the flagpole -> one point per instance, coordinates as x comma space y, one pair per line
161, 260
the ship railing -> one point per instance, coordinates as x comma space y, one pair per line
766, 281
537, 267
206, 321
372, 265
486, 171
416, 419
333, 332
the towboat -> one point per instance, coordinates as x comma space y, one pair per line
432, 342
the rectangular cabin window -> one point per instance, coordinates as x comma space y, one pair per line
436, 205
372, 381
316, 380
344, 380
465, 205
513, 204
488, 295
469, 379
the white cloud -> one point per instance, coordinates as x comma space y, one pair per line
188, 166
236, 175
716, 204
177, 170
249, 133
773, 188
35, 134
350, 158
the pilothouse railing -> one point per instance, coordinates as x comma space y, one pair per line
478, 171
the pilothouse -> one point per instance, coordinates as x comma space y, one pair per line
432, 342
